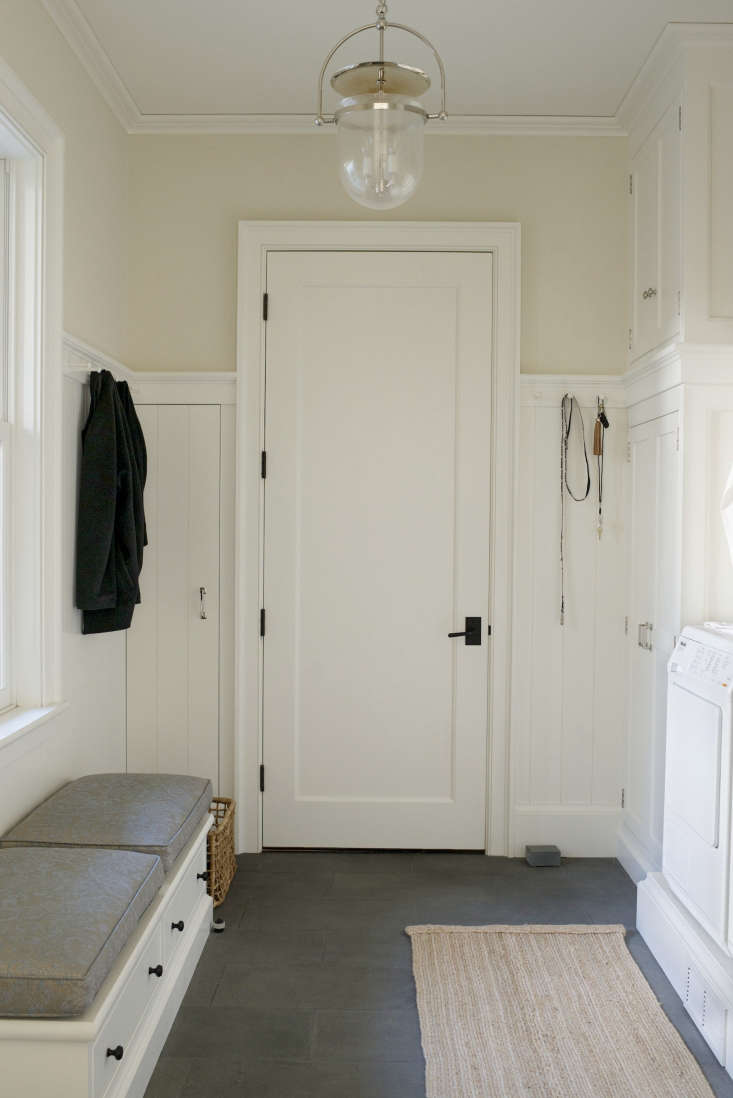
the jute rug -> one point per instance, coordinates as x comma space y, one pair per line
543, 1012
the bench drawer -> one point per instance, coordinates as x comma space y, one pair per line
176, 916
118, 1030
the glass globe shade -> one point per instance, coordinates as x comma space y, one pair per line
380, 149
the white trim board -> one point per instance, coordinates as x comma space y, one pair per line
38, 145
256, 239
151, 387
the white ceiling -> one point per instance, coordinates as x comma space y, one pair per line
261, 57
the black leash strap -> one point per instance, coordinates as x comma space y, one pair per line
568, 406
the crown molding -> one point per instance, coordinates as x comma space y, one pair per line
664, 56
69, 19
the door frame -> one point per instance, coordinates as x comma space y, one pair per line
256, 240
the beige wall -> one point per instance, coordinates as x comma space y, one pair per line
95, 181
187, 194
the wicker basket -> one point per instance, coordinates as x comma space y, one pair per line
221, 860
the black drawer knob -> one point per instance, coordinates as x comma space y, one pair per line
157, 971
117, 1053
178, 925
202, 876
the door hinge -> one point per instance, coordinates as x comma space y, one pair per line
679, 118
631, 339
631, 184
628, 450
677, 438
679, 302
265, 305
263, 464
626, 625
623, 798
262, 778
262, 623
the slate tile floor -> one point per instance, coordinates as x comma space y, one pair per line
309, 991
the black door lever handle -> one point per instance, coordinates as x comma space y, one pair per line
472, 632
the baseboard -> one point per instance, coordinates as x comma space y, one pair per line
634, 857
699, 971
158, 1025
580, 831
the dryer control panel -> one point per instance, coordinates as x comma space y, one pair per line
701, 660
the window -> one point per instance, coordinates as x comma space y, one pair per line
7, 697
31, 222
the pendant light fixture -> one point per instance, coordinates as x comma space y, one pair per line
380, 122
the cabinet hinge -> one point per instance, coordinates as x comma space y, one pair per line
626, 625
679, 118
262, 623
623, 798
631, 337
263, 464
265, 305
628, 450
677, 438
631, 184
679, 302
262, 778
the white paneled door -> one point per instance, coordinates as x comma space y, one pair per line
173, 644
376, 547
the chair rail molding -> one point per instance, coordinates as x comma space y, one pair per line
147, 386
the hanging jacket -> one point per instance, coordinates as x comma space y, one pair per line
111, 517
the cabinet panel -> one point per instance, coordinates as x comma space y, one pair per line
654, 616
669, 220
172, 649
639, 777
656, 236
645, 188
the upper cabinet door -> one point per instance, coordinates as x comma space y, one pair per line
655, 175
669, 220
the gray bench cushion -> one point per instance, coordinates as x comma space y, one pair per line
152, 813
64, 917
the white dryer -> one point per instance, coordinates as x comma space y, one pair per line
696, 850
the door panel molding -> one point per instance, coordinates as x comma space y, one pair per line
256, 240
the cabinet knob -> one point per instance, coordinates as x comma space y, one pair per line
155, 971
116, 1053
177, 926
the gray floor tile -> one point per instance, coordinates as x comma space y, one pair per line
333, 1080
351, 1035
330, 985
218, 1032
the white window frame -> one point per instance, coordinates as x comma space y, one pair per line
32, 145
7, 685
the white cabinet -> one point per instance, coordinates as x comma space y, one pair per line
656, 228
654, 617
173, 666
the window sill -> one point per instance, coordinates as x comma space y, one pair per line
17, 723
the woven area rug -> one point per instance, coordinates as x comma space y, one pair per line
543, 1012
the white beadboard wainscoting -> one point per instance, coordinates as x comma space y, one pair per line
87, 733
569, 682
